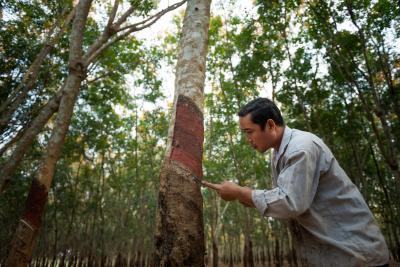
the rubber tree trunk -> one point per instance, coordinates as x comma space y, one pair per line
28, 227
179, 238
28, 138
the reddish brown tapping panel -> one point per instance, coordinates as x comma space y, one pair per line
35, 204
187, 141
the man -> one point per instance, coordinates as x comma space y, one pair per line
328, 217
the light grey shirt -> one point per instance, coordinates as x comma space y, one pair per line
328, 217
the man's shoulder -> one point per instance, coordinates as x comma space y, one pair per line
302, 140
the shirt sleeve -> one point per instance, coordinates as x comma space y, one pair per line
297, 184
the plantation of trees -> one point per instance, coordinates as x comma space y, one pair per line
104, 121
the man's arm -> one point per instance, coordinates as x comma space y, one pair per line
297, 185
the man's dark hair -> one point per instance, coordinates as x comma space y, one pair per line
261, 110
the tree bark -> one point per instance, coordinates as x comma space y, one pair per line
28, 227
179, 239
28, 137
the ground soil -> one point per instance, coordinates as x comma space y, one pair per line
391, 264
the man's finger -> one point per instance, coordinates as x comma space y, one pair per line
211, 185
245, 204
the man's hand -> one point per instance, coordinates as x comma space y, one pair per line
229, 191
247, 204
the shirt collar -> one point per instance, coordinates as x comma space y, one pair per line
287, 134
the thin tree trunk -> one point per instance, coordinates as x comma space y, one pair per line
27, 139
179, 239
102, 219
28, 227
359, 178
230, 255
386, 68
55, 245
379, 111
215, 252
393, 221
292, 249
248, 258
297, 91
369, 77
216, 215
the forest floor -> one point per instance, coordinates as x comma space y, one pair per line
221, 264
391, 264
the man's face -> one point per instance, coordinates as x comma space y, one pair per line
259, 139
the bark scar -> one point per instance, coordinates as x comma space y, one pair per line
77, 67
187, 141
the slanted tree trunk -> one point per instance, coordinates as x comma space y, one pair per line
28, 227
113, 32
27, 138
179, 239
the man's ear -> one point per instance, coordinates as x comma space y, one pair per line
270, 124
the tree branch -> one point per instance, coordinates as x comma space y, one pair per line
113, 13
155, 16
129, 29
19, 94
